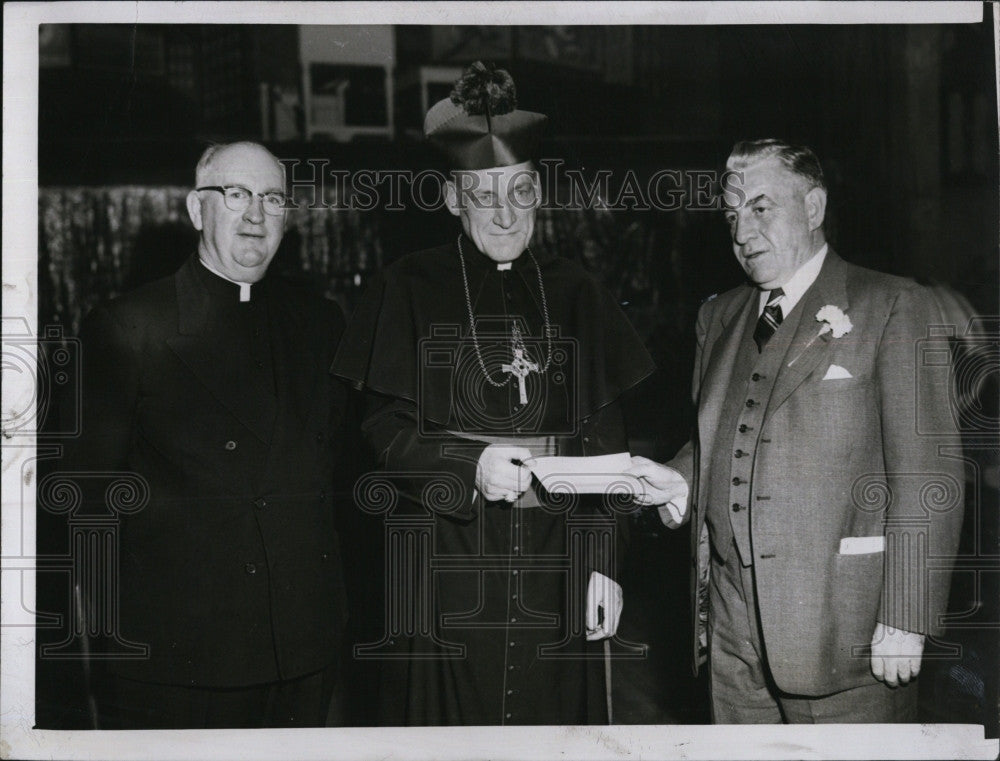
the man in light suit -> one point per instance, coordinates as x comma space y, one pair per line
212, 386
815, 505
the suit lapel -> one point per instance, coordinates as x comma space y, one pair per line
807, 348
208, 355
720, 365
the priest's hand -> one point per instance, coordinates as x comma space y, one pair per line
604, 606
896, 655
664, 487
498, 477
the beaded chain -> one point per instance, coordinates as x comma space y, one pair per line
516, 337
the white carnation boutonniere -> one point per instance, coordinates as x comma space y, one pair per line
835, 322
833, 319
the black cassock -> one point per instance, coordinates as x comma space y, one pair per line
503, 587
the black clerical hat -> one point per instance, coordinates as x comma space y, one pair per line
479, 126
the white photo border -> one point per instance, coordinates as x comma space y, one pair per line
20, 245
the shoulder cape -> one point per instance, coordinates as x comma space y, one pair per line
380, 348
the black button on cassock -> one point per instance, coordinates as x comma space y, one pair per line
260, 503
230, 446
250, 568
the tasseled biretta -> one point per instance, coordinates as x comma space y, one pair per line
478, 126
485, 90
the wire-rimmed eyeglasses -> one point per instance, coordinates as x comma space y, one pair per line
238, 198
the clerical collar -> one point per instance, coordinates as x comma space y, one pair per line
797, 284
479, 261
244, 287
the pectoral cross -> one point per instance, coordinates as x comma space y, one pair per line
519, 367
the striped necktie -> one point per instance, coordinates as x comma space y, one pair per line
769, 319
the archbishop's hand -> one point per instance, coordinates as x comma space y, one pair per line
498, 477
896, 655
665, 488
604, 606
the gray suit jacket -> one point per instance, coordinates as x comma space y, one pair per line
840, 459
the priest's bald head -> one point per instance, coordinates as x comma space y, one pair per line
238, 206
494, 188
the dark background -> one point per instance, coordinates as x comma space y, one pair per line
902, 117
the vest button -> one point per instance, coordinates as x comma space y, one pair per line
755, 377
739, 453
743, 428
737, 481
737, 507
751, 403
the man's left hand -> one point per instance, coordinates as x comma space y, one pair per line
896, 655
603, 594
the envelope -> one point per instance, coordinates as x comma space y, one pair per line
586, 475
836, 372
862, 545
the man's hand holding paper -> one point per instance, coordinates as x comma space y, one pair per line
498, 474
664, 487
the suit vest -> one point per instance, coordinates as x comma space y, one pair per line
728, 504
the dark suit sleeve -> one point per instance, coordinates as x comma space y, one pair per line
410, 459
110, 365
924, 518
685, 461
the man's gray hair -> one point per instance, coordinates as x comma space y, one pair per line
209, 154
796, 158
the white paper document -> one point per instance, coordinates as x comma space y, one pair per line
586, 475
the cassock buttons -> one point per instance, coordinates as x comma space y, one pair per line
250, 568
737, 507
751, 403
756, 377
743, 428
230, 445
739, 453
260, 503
737, 481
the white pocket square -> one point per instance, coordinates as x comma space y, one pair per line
834, 372
862, 545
